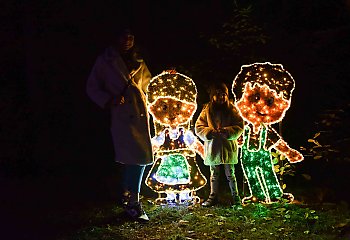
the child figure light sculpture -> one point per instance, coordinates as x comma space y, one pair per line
263, 94
171, 100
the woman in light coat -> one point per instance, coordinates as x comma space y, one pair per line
219, 126
117, 82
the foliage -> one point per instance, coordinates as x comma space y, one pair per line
327, 155
238, 32
331, 140
282, 167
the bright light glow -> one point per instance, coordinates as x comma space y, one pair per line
263, 94
171, 100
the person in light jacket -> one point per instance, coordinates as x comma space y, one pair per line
219, 125
117, 82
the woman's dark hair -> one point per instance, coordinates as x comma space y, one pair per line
132, 56
123, 31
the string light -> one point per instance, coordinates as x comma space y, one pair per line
263, 94
260, 104
171, 100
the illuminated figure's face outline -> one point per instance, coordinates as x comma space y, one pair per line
172, 112
171, 99
260, 104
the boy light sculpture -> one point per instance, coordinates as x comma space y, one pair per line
263, 94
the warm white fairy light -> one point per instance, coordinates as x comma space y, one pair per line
263, 95
171, 100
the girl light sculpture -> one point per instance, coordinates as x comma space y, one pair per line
171, 100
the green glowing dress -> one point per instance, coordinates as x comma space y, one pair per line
258, 168
175, 168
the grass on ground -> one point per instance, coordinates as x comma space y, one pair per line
255, 221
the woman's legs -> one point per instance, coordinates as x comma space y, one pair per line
132, 177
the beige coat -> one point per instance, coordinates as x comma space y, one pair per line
129, 121
219, 150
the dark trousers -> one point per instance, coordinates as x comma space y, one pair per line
230, 176
131, 180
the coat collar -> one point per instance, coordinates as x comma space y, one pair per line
112, 56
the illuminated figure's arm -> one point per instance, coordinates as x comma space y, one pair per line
192, 141
157, 141
199, 148
291, 154
240, 141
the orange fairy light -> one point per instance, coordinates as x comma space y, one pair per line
263, 94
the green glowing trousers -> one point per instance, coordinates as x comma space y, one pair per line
258, 170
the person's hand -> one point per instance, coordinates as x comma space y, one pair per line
223, 133
213, 134
118, 100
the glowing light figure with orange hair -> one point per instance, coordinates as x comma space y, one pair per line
171, 100
262, 96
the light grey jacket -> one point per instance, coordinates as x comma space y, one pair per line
129, 121
219, 150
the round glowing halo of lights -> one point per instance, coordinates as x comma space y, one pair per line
172, 86
273, 75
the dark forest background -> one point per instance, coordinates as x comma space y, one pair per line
55, 147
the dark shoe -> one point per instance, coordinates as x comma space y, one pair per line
211, 201
136, 212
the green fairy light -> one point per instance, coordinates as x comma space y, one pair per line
173, 170
263, 94
171, 101
258, 168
